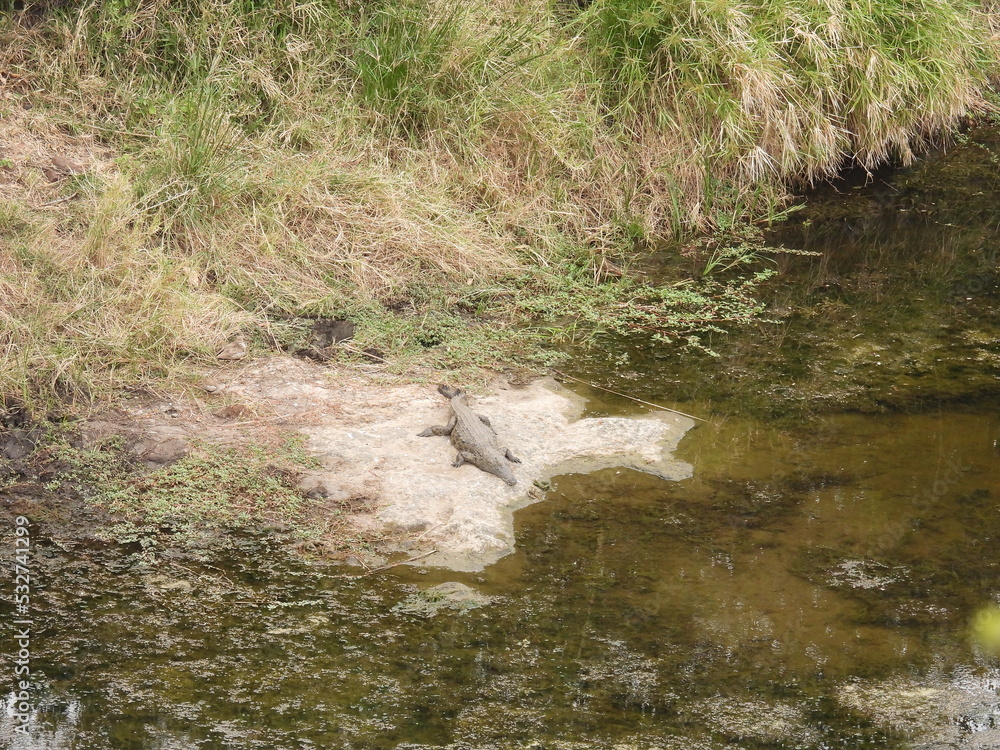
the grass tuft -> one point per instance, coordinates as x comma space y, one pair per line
211, 488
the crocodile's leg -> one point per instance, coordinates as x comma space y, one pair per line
462, 458
440, 429
511, 457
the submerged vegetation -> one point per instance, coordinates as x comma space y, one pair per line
415, 165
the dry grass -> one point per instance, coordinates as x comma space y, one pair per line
738, 95
245, 159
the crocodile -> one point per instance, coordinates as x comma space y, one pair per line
473, 437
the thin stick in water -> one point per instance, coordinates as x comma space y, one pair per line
631, 398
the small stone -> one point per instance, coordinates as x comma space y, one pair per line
233, 411
66, 166
163, 452
233, 350
210, 387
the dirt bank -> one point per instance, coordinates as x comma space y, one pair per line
367, 466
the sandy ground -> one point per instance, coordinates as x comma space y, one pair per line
363, 434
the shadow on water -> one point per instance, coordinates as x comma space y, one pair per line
818, 583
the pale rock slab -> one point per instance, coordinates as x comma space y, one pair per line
464, 513
363, 434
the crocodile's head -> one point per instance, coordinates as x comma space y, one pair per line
504, 472
449, 392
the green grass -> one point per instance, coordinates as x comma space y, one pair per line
212, 488
762, 90
418, 166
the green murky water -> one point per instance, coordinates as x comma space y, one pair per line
816, 584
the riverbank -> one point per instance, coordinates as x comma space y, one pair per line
440, 177
826, 578
328, 459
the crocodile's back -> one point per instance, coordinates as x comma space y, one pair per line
475, 440
471, 434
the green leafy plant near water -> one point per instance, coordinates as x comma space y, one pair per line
419, 166
246, 487
738, 262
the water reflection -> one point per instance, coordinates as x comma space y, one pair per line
52, 724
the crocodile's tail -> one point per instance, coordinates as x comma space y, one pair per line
449, 392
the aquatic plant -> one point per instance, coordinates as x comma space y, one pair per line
211, 488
